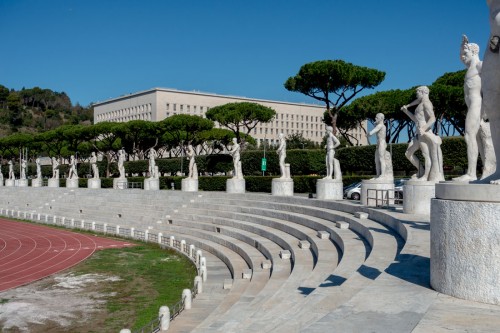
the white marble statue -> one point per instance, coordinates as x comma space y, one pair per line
72, 174
477, 132
490, 83
383, 159
23, 169
235, 153
281, 151
55, 168
1, 175
332, 164
193, 170
11, 171
38, 168
93, 164
425, 140
121, 162
152, 163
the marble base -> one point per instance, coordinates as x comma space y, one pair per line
21, 182
120, 183
282, 186
36, 182
465, 241
94, 183
189, 185
417, 196
151, 184
53, 182
329, 189
375, 184
72, 183
10, 182
234, 185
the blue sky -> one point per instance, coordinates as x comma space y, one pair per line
97, 49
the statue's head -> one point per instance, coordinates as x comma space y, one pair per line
469, 52
422, 91
329, 129
235, 140
379, 117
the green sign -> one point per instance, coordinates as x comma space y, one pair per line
263, 166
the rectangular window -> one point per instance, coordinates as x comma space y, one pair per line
301, 125
292, 116
266, 130
282, 124
307, 117
188, 108
194, 108
271, 131
182, 107
201, 108
287, 116
287, 124
276, 123
254, 131
175, 107
261, 130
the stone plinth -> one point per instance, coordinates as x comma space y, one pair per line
417, 197
152, 184
189, 185
94, 183
10, 182
374, 188
235, 185
120, 183
329, 189
282, 186
53, 182
465, 241
37, 182
22, 182
72, 182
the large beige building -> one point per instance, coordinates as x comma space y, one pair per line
159, 103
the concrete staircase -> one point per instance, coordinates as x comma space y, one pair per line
291, 264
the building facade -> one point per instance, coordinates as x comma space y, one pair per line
158, 103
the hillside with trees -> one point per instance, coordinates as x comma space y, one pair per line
36, 110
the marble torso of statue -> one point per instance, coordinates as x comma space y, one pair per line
73, 174
55, 168
38, 169
383, 159
121, 163
281, 151
235, 153
93, 163
193, 170
332, 164
11, 171
152, 163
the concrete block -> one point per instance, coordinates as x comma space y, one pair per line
247, 274
266, 264
285, 254
228, 284
361, 215
303, 244
342, 225
323, 234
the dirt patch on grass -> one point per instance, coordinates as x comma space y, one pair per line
61, 303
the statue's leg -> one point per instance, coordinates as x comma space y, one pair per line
491, 103
472, 122
424, 148
486, 149
413, 146
381, 158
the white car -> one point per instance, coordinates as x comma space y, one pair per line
353, 191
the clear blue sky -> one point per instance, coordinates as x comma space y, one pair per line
97, 49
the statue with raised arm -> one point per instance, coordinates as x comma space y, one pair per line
193, 170
490, 83
235, 153
72, 174
425, 140
477, 133
121, 162
332, 164
93, 164
55, 168
281, 151
23, 169
11, 170
38, 168
383, 159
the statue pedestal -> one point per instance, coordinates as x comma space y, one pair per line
37, 182
329, 189
374, 192
282, 186
94, 183
235, 185
417, 197
465, 241
120, 183
53, 182
10, 182
152, 184
189, 185
21, 182
72, 182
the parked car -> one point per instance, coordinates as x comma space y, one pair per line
353, 191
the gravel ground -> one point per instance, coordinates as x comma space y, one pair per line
60, 303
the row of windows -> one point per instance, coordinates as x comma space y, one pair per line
131, 113
292, 124
291, 116
144, 116
186, 108
316, 134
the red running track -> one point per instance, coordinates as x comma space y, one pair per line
31, 252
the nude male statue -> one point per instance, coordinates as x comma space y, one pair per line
281, 151
490, 83
23, 168
93, 164
152, 163
425, 140
72, 168
38, 168
193, 170
383, 163
332, 164
476, 133
11, 171
235, 153
55, 170
121, 162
